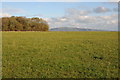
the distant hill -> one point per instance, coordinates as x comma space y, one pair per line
72, 29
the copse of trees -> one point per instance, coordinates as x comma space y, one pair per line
24, 24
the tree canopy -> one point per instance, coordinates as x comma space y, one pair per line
24, 24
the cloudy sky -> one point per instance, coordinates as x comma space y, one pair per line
93, 15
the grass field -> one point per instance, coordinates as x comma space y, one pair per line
60, 54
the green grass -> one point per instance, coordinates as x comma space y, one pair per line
60, 54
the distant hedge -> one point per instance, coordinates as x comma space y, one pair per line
24, 24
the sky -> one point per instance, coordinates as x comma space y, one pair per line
92, 15
59, 0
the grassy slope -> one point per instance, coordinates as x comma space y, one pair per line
60, 54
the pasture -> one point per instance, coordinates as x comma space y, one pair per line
60, 54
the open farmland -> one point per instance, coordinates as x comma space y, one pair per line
60, 54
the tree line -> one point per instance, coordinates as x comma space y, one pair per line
24, 24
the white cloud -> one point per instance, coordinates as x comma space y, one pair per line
13, 10
4, 15
101, 10
63, 19
36, 15
113, 0
72, 11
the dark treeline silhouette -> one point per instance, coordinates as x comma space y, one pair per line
24, 24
